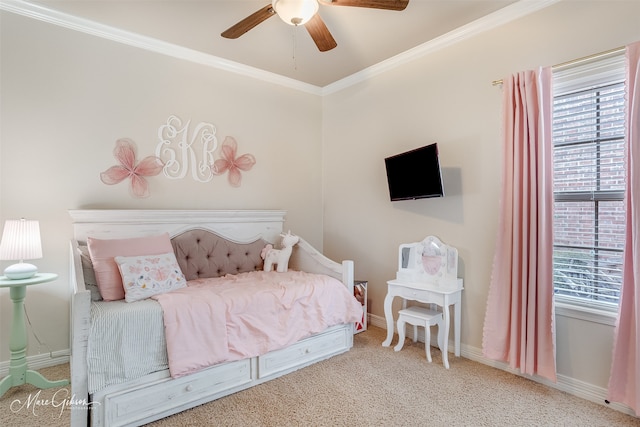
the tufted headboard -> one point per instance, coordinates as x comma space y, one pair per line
237, 235
203, 254
206, 243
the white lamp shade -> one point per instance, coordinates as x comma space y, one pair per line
295, 12
20, 241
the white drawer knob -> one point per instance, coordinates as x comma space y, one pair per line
189, 387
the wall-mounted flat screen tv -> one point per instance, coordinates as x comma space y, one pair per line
415, 174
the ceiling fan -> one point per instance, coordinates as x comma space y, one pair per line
305, 12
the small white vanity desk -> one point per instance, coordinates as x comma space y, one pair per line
427, 273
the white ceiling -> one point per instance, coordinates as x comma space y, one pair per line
365, 37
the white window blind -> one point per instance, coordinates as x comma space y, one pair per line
589, 181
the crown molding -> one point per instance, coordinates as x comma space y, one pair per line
41, 13
486, 23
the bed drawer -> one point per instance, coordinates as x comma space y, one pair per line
334, 341
132, 407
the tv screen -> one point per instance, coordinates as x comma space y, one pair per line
415, 174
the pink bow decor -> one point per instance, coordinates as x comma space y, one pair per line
230, 163
126, 155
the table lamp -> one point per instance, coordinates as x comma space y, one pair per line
20, 241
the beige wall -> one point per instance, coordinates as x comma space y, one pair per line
447, 97
67, 97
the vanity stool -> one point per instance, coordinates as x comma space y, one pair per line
420, 316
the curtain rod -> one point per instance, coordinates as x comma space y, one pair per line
575, 61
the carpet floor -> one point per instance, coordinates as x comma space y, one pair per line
369, 386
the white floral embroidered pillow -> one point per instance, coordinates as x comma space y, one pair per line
148, 275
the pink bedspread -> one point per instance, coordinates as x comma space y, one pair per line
249, 314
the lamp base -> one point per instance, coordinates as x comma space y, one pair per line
21, 270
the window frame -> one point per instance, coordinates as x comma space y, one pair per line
588, 76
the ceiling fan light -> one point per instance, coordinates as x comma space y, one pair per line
295, 12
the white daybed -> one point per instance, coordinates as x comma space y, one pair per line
156, 394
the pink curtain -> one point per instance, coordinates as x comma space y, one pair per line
624, 382
519, 322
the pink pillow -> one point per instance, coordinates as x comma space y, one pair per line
103, 252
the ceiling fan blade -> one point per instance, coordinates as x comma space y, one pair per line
320, 33
249, 22
372, 4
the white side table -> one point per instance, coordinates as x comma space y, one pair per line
18, 372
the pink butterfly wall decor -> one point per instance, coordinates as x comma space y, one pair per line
126, 155
229, 162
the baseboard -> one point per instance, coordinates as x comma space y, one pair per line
565, 383
39, 361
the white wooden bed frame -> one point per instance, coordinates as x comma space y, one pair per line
157, 395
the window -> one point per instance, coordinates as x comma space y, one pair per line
589, 182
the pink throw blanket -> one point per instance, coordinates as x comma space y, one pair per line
249, 314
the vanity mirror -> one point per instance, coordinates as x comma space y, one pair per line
429, 261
